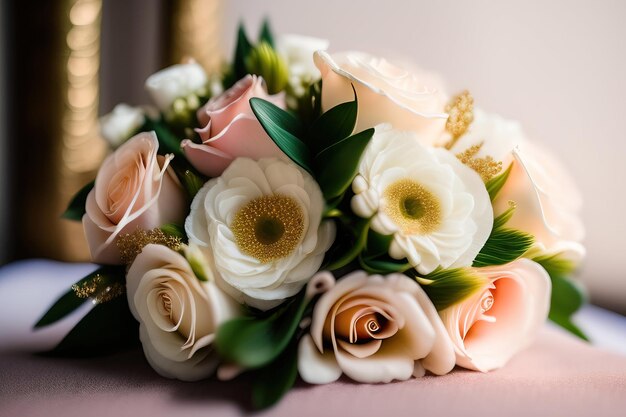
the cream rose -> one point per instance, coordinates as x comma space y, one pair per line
374, 329
502, 317
178, 314
548, 202
387, 93
231, 129
176, 81
135, 188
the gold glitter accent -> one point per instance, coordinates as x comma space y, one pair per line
460, 115
413, 208
486, 167
104, 294
269, 227
131, 245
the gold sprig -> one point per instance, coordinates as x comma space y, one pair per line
460, 115
104, 294
130, 245
486, 167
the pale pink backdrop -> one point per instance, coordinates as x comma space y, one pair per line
557, 66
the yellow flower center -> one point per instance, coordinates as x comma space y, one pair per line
414, 209
269, 227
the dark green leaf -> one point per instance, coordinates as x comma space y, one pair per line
567, 298
282, 127
70, 301
242, 51
273, 381
502, 247
76, 209
377, 244
495, 184
349, 248
107, 328
446, 287
175, 230
254, 342
337, 165
168, 141
334, 125
266, 33
384, 265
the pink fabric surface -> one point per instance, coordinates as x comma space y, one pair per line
557, 376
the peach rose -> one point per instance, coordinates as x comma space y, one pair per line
548, 202
387, 93
135, 188
374, 329
502, 317
231, 129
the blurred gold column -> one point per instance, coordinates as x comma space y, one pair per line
57, 148
82, 148
196, 32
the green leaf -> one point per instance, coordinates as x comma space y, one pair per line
69, 302
502, 247
107, 328
495, 184
337, 165
383, 266
168, 141
567, 298
282, 127
254, 342
173, 229
242, 51
446, 287
266, 33
377, 244
334, 125
76, 209
273, 381
191, 181
567, 295
349, 247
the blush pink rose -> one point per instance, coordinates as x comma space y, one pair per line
502, 317
231, 129
135, 188
374, 329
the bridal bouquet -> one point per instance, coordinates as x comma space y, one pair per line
319, 214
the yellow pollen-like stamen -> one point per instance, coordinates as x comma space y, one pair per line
486, 167
130, 245
269, 228
414, 209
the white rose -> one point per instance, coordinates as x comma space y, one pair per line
176, 81
374, 329
178, 314
387, 93
263, 223
122, 123
437, 209
548, 202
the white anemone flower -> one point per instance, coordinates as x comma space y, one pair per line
437, 209
262, 221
